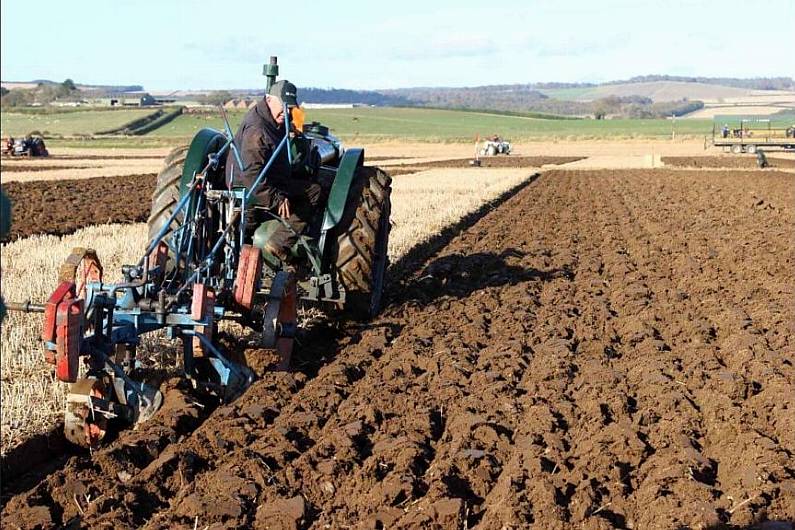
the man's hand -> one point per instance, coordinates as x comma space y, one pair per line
284, 208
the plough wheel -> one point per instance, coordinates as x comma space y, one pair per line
280, 319
80, 267
83, 425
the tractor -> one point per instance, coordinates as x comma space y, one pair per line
31, 145
494, 145
205, 263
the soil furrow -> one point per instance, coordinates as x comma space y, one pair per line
607, 349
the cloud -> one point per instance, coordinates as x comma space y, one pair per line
577, 46
445, 47
245, 50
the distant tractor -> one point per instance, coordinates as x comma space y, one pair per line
746, 134
495, 145
31, 145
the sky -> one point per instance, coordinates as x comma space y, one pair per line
181, 44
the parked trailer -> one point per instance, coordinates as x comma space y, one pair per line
747, 134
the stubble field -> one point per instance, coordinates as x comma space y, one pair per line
596, 349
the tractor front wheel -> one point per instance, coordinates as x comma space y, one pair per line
362, 241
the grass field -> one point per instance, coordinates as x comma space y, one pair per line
370, 124
363, 124
66, 123
573, 94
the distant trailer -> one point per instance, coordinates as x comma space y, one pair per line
747, 134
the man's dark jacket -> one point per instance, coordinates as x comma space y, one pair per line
257, 139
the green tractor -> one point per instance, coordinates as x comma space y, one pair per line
205, 263
344, 250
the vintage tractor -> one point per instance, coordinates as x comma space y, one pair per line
31, 145
204, 263
494, 145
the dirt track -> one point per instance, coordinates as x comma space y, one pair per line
624, 359
60, 207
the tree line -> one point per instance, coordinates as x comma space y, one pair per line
43, 93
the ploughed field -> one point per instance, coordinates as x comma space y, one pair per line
60, 207
728, 161
602, 349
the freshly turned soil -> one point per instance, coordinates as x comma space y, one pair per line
60, 207
732, 162
604, 349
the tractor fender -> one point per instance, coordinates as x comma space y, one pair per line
205, 142
352, 159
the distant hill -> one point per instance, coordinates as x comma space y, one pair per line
641, 96
754, 83
365, 97
110, 89
662, 91
526, 98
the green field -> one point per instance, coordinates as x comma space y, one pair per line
363, 124
570, 94
374, 124
67, 123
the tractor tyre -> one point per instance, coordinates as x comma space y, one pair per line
492, 150
736, 149
166, 195
751, 149
362, 237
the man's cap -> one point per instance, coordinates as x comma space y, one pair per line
285, 91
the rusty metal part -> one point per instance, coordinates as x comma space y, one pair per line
68, 335
80, 267
203, 308
64, 291
61, 331
86, 417
280, 318
248, 274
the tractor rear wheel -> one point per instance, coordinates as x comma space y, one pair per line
166, 195
362, 240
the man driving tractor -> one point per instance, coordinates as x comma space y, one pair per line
295, 200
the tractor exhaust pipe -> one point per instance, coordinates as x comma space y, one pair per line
270, 71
